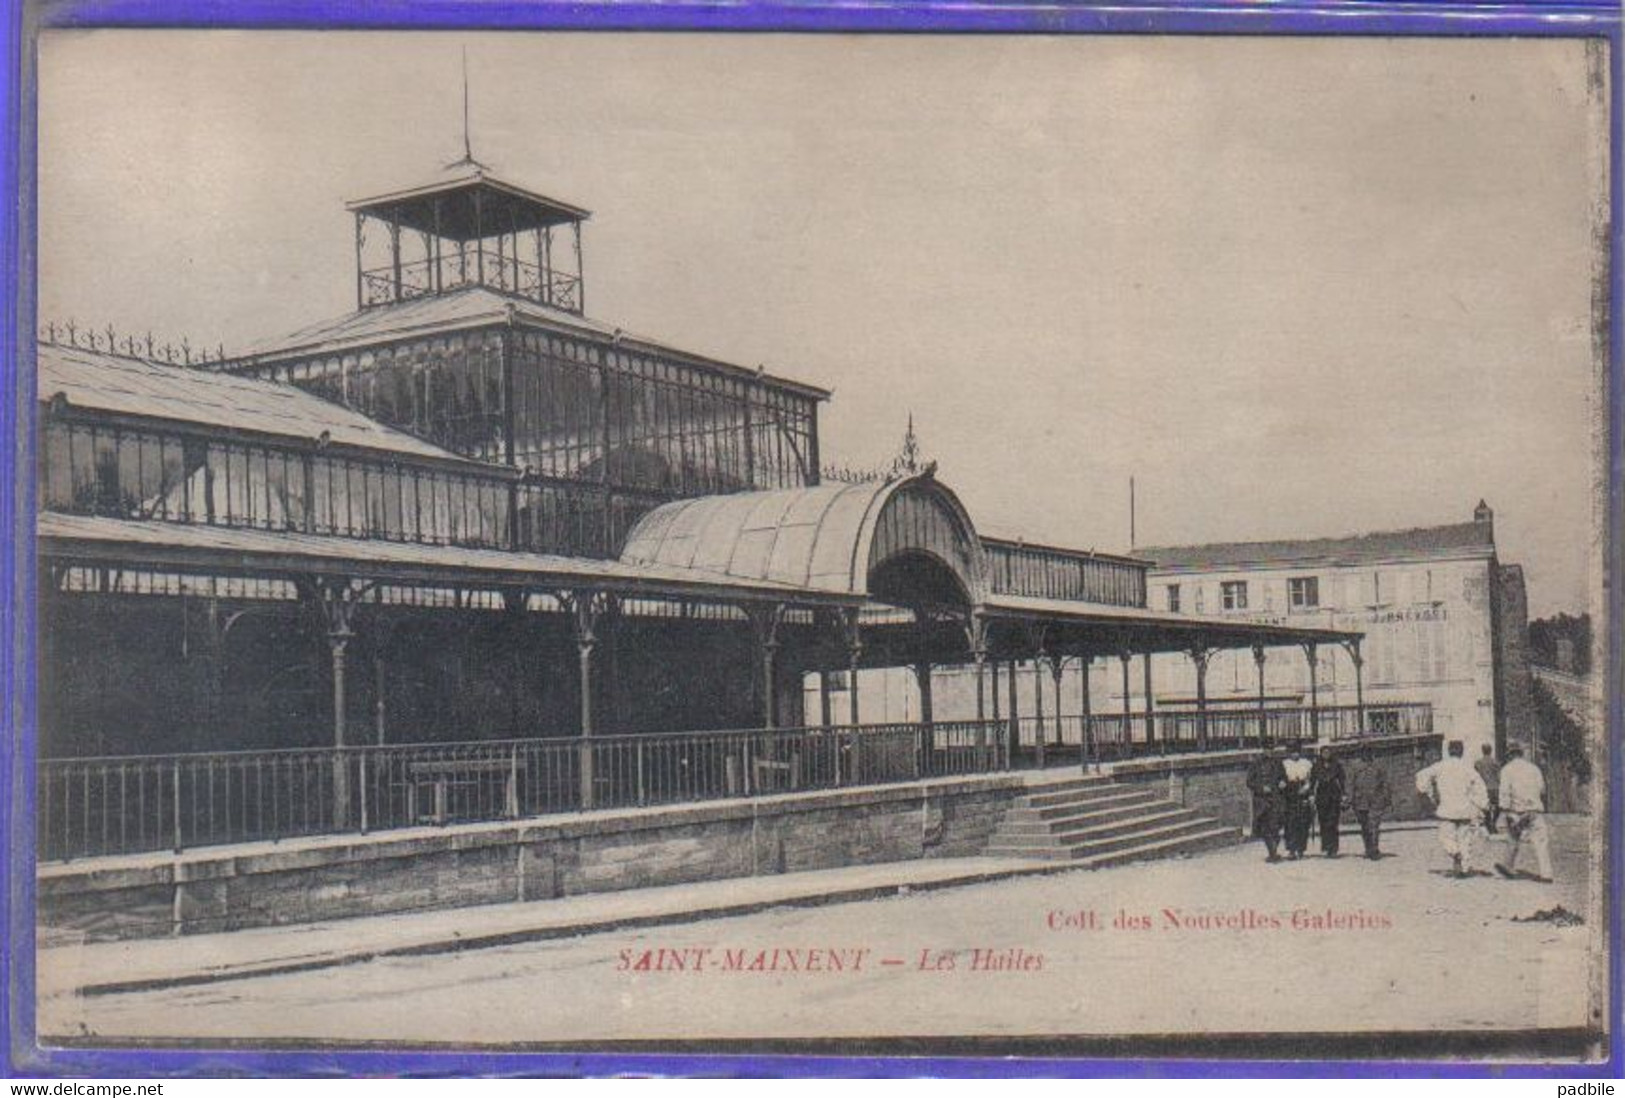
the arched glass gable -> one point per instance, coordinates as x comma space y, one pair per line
912, 534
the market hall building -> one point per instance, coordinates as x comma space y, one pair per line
465, 553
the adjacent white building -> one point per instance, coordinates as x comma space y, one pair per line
1445, 622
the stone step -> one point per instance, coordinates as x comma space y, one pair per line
1139, 815
1049, 805
1214, 838
1164, 815
1080, 817
1066, 785
1054, 846
1093, 820
1046, 795
1170, 829
1140, 847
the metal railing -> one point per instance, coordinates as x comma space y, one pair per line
1046, 572
474, 267
1111, 736
97, 806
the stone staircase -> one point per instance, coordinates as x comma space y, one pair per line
1097, 821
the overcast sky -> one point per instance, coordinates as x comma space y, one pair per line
1296, 288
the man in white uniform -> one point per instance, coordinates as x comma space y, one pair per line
1523, 802
1459, 800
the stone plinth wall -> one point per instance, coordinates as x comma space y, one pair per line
299, 881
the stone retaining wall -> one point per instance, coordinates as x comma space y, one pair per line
299, 881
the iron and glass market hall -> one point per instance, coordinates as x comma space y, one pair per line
467, 553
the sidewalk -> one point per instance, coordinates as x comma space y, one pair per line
151, 964
1217, 944
154, 963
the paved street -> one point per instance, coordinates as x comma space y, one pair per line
1218, 943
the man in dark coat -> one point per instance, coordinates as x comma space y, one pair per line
1266, 778
1327, 780
1369, 797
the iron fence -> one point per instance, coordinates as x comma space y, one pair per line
98, 806
1049, 741
475, 266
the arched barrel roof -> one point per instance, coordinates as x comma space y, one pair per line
827, 537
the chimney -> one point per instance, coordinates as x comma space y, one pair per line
1483, 514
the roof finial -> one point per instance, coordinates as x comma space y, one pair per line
467, 159
468, 148
907, 462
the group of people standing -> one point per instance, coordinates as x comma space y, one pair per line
1292, 794
1470, 800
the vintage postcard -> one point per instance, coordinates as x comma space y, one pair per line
962, 545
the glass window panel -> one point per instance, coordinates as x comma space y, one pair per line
102, 452
410, 530
215, 484
496, 508
151, 481
233, 486
343, 500
444, 504
447, 502
258, 488
374, 475
285, 487
129, 475
321, 475
56, 469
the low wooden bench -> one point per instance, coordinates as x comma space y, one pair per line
442, 775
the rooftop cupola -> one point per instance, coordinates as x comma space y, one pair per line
467, 228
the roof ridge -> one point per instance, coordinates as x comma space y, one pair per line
1369, 534
1469, 538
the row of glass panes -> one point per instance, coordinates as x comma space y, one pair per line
582, 411
566, 520
90, 579
1041, 574
98, 469
783, 448
445, 390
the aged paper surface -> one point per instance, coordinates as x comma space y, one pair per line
753, 651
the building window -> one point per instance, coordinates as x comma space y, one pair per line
1173, 598
1303, 592
1233, 594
